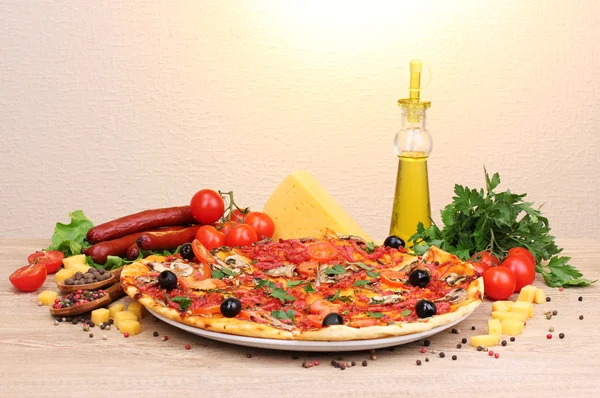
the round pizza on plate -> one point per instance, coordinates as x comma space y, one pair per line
335, 288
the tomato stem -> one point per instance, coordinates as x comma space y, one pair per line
227, 215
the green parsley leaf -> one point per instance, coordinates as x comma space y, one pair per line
294, 283
264, 283
345, 312
335, 270
281, 314
216, 274
361, 283
309, 288
370, 247
227, 271
184, 302
373, 274
363, 266
478, 220
281, 295
406, 313
337, 296
376, 315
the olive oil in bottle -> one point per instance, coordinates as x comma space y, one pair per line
413, 145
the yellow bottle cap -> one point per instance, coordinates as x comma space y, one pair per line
414, 92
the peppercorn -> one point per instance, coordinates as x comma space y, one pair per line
496, 355
551, 329
485, 349
426, 359
549, 316
442, 355
480, 348
426, 343
472, 327
56, 322
104, 337
548, 299
187, 347
459, 345
548, 336
373, 357
353, 363
111, 321
342, 366
102, 326
560, 289
418, 362
316, 363
248, 355
561, 335
464, 340
107, 327
165, 338
364, 363
333, 363
86, 328
91, 334
580, 298
491, 353
512, 339
309, 364
580, 316
454, 331
423, 350
92, 324
504, 343
155, 334
125, 334
454, 357
554, 312
304, 364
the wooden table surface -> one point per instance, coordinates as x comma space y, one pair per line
38, 358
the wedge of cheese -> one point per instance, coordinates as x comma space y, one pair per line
300, 207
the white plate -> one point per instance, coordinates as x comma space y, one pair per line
300, 345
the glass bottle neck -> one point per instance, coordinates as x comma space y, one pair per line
413, 118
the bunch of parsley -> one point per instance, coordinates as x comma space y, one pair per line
498, 221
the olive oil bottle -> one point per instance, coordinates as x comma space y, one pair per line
412, 144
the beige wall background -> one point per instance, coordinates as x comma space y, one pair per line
113, 107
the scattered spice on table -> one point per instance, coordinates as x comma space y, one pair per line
454, 357
504, 343
580, 298
418, 362
580, 316
561, 335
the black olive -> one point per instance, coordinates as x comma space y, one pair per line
419, 277
425, 309
167, 280
230, 307
186, 251
394, 242
333, 319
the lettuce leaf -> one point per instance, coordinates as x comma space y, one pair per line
69, 238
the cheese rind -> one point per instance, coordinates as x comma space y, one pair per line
300, 207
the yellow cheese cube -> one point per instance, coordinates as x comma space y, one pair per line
47, 297
522, 306
130, 326
494, 327
540, 297
519, 316
74, 261
512, 327
485, 340
63, 274
100, 315
116, 308
502, 305
527, 294
301, 207
136, 308
124, 316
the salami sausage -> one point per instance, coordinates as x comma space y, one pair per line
139, 222
166, 240
133, 252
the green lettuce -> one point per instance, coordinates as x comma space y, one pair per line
70, 238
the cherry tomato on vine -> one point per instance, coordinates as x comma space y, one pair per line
226, 227
210, 237
52, 259
262, 224
522, 251
239, 215
499, 283
522, 268
241, 235
29, 278
207, 206
486, 258
480, 267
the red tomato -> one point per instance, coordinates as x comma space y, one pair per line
499, 283
29, 278
522, 251
308, 268
207, 206
322, 252
316, 320
362, 323
523, 269
261, 222
323, 307
210, 237
486, 258
480, 267
241, 235
393, 278
52, 259
211, 309
201, 253
226, 227
238, 215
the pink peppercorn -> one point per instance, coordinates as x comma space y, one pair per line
423, 350
496, 355
548, 336
125, 334
316, 363
491, 353
187, 347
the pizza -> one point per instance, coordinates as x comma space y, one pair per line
334, 288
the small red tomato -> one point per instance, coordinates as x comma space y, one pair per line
241, 235
522, 251
52, 259
522, 268
499, 283
480, 267
226, 227
486, 258
210, 237
29, 278
207, 206
239, 215
262, 224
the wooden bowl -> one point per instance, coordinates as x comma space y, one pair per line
112, 293
116, 276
